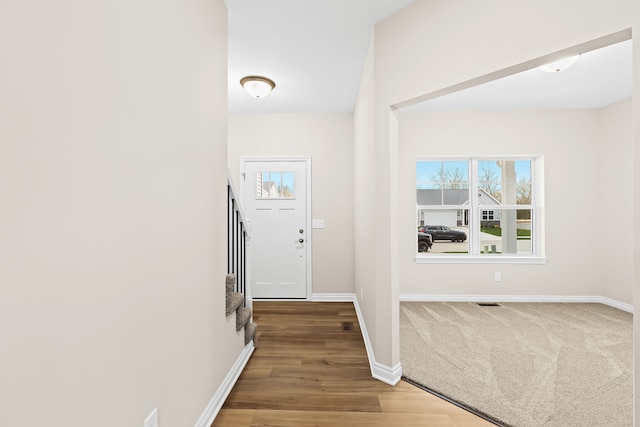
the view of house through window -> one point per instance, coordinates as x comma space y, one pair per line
476, 206
272, 184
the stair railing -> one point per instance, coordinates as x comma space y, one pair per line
237, 235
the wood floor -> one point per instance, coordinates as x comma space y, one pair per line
309, 371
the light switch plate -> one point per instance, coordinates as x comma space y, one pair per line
318, 223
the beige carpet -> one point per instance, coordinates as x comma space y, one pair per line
524, 364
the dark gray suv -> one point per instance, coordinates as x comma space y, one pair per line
442, 232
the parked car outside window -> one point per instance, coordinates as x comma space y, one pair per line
424, 242
442, 232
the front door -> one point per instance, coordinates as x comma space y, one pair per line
275, 199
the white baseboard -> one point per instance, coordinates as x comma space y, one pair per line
212, 409
518, 298
615, 304
384, 373
341, 297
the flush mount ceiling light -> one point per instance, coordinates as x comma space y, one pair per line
560, 65
257, 86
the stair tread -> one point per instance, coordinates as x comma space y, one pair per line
250, 333
234, 300
230, 282
243, 315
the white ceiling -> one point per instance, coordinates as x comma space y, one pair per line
315, 53
599, 78
313, 50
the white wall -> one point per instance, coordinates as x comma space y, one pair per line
584, 259
113, 218
328, 139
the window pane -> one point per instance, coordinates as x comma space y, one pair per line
506, 182
508, 233
489, 182
275, 184
446, 229
523, 182
442, 183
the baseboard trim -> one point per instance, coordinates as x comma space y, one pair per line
214, 406
616, 304
338, 297
386, 374
518, 298
379, 371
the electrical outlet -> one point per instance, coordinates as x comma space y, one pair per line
152, 419
362, 294
498, 276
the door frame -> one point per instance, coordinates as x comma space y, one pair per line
307, 220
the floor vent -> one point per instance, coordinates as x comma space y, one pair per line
488, 304
347, 326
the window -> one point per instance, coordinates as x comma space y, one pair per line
480, 208
275, 185
487, 215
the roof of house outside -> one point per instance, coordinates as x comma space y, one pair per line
455, 197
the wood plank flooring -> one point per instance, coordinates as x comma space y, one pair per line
309, 371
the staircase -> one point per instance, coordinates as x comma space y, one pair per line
235, 303
236, 283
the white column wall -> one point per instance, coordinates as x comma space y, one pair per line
365, 192
636, 209
613, 248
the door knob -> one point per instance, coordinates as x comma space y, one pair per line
300, 240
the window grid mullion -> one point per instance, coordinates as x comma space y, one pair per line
474, 214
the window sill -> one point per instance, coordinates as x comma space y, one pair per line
479, 259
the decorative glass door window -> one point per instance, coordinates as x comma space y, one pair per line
276, 185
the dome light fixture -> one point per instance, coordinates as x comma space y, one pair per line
559, 65
257, 86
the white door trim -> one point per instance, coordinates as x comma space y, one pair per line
307, 220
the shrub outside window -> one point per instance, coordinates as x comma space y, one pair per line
480, 207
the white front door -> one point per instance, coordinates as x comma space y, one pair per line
275, 199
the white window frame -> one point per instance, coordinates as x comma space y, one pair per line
537, 255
